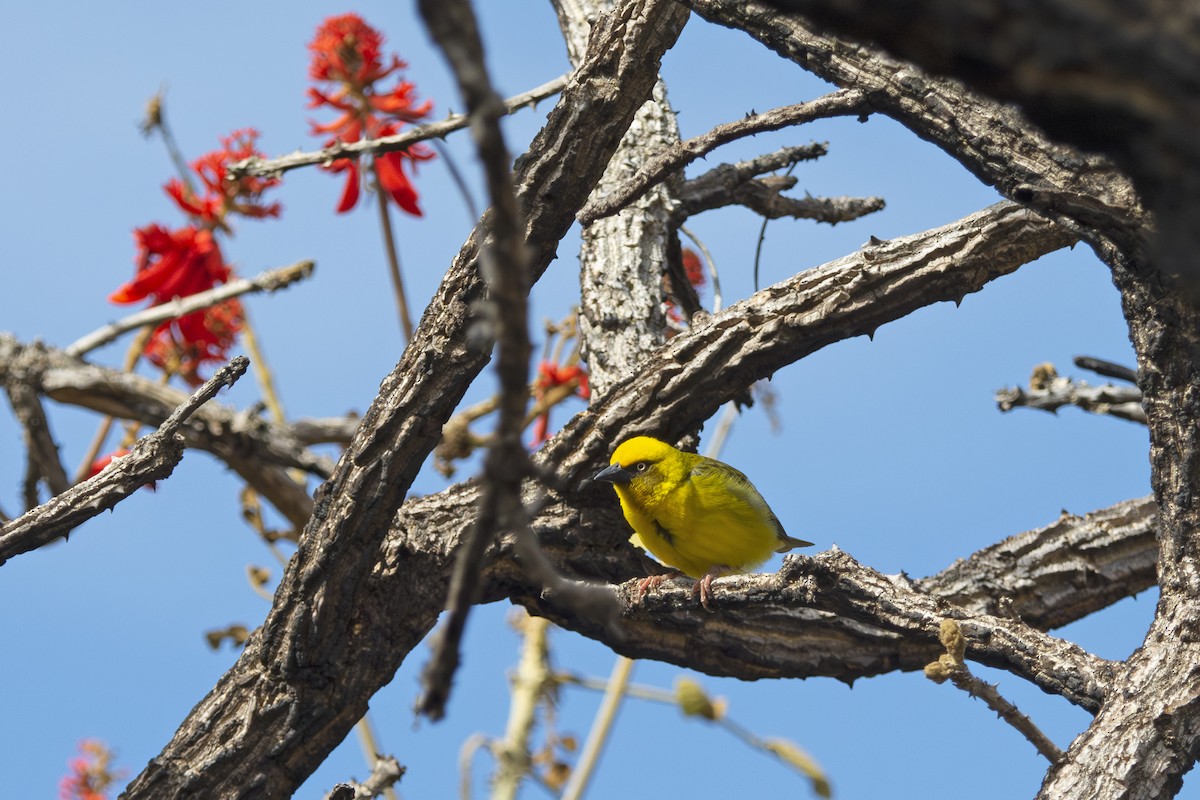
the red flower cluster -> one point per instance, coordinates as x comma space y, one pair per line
182, 345
180, 263
347, 53
549, 376
220, 196
173, 264
91, 774
188, 260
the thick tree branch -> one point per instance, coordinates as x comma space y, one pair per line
1108, 77
153, 458
683, 383
991, 139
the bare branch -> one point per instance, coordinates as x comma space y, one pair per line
269, 281
256, 449
42, 461
153, 458
993, 140
836, 104
723, 186
387, 773
255, 167
1108, 369
951, 666
1048, 391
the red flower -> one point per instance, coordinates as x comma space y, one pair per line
347, 53
90, 773
221, 196
173, 264
549, 376
178, 264
183, 345
346, 49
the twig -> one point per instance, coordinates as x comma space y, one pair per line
393, 254
385, 770
1108, 369
712, 267
42, 461
529, 688
506, 269
835, 104
153, 458
386, 773
273, 167
1048, 391
269, 281
618, 683
951, 666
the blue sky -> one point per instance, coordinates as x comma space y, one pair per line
890, 448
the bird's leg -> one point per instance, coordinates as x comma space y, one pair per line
703, 587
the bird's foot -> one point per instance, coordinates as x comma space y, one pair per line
653, 582
703, 587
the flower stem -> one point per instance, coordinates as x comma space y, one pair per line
389, 246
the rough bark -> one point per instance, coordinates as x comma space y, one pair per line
622, 258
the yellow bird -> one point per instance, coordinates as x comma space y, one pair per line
693, 513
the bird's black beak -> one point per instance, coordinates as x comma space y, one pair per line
614, 473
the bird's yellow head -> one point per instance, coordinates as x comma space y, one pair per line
644, 466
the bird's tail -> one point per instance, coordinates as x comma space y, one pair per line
789, 543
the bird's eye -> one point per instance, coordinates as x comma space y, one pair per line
641, 466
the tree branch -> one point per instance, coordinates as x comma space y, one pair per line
42, 461
506, 270
840, 103
1109, 77
153, 458
993, 140
257, 450
255, 167
269, 281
